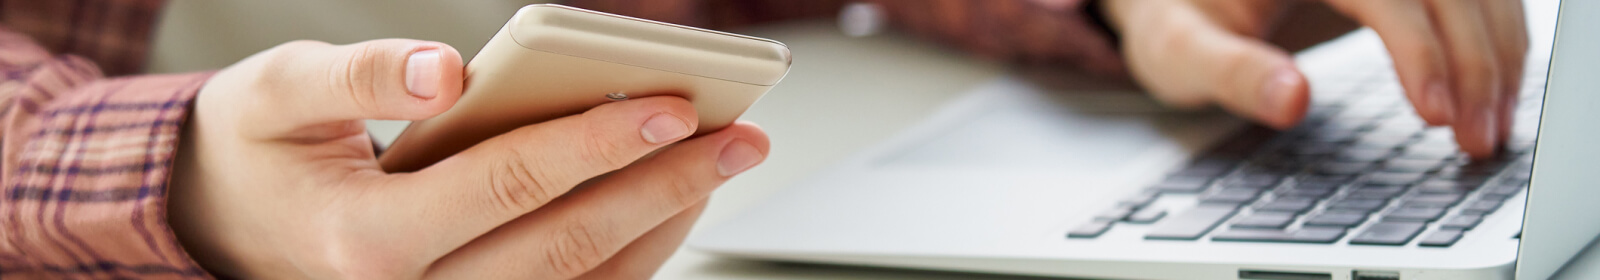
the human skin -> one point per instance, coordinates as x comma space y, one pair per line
1460, 62
277, 178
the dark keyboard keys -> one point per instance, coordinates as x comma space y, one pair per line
1251, 181
1388, 233
1181, 184
1462, 222
1481, 207
1139, 200
1394, 178
1322, 181
1364, 154
1358, 205
1341, 168
1192, 223
1264, 220
1287, 204
1502, 192
1091, 229
1303, 235
1387, 140
1376, 192
1114, 214
1414, 214
1432, 200
1441, 238
1231, 196
1411, 165
1306, 193
1337, 219
1147, 215
1207, 168
1441, 186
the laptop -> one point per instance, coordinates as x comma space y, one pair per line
1014, 178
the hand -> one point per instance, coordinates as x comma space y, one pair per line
276, 176
1460, 62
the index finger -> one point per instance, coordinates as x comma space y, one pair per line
509, 175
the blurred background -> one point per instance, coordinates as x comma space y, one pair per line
199, 35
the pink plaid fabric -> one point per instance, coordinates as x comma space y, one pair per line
85, 163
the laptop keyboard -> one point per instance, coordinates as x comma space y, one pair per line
1366, 172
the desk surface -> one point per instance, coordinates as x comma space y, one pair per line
842, 95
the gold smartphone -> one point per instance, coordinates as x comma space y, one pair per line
551, 61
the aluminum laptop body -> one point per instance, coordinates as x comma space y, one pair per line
1016, 179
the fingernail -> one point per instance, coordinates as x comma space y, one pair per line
422, 74
737, 157
1441, 101
1274, 91
662, 128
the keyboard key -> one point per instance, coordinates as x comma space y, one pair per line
1443, 186
1252, 181
1337, 219
1441, 238
1139, 200
1091, 229
1207, 167
1114, 214
1341, 168
1461, 222
1358, 205
1482, 167
1287, 204
1414, 214
1388, 233
1303, 235
1414, 152
1502, 191
1394, 178
1376, 192
1384, 139
1181, 184
1264, 220
1432, 200
1191, 224
1231, 196
1462, 179
1429, 149
1322, 181
1147, 215
1481, 207
1306, 193
1411, 165
1364, 154
1312, 149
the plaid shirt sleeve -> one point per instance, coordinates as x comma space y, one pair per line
85, 163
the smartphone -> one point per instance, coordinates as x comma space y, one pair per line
551, 61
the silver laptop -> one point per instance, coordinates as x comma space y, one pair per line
1020, 180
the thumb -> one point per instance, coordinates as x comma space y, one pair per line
307, 84
1190, 60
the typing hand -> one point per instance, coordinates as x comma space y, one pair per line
276, 176
1460, 62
